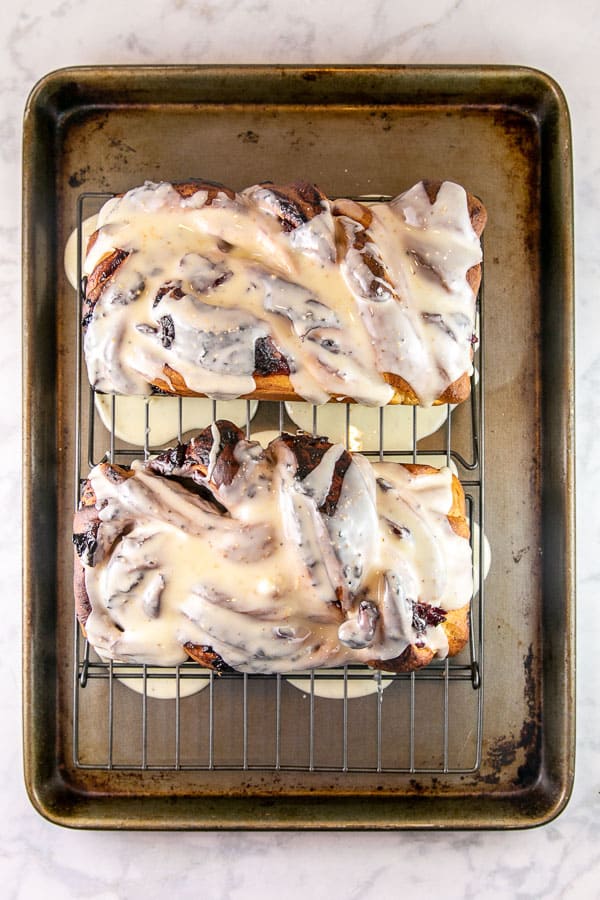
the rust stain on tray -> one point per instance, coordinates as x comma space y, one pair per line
310, 119
502, 752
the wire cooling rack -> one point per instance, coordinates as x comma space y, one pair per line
184, 717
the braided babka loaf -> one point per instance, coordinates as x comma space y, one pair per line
279, 293
299, 556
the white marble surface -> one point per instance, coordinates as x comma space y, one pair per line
559, 860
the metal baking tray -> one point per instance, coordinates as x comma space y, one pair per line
504, 134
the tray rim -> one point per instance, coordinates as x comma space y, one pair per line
57, 800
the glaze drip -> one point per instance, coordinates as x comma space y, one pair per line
255, 570
346, 292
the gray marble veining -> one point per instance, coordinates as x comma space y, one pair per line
560, 860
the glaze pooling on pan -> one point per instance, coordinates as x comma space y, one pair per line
273, 571
337, 294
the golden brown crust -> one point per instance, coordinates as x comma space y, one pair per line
304, 200
478, 215
477, 210
193, 459
309, 451
107, 266
212, 188
103, 272
456, 622
412, 658
456, 627
353, 209
279, 387
83, 607
457, 512
85, 525
206, 657
300, 201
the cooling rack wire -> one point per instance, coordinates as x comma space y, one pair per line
424, 722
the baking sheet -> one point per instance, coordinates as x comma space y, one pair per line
504, 134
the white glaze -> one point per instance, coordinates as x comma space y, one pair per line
432, 314
259, 585
364, 430
163, 416
336, 337
157, 687
88, 226
264, 438
557, 860
353, 686
357, 686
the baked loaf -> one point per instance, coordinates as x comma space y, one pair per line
299, 556
279, 293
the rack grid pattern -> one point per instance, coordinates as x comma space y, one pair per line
424, 722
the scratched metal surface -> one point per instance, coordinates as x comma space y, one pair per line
503, 133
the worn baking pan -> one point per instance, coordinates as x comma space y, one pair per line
502, 132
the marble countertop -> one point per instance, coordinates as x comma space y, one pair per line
561, 859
